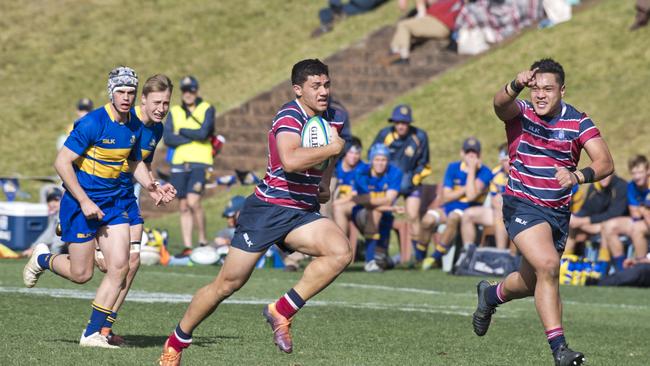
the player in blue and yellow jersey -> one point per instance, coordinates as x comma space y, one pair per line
156, 95
465, 185
89, 164
345, 173
637, 225
377, 187
489, 215
409, 151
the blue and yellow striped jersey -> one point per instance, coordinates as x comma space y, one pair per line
499, 181
377, 186
149, 137
456, 178
103, 146
345, 179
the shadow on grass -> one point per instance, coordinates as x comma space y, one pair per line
146, 341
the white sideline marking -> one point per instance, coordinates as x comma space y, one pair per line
163, 297
401, 289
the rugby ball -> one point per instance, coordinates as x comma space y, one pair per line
205, 255
315, 133
149, 255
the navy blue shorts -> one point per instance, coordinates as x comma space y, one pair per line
188, 178
261, 224
520, 214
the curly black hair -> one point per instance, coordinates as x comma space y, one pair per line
548, 65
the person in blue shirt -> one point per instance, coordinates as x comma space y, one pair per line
156, 95
409, 151
465, 185
343, 186
377, 189
89, 164
636, 225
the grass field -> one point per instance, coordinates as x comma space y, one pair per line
398, 317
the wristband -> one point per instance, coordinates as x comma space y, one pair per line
514, 87
505, 88
576, 176
589, 174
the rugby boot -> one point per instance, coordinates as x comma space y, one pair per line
169, 356
483, 314
565, 356
113, 338
430, 263
281, 327
95, 340
32, 270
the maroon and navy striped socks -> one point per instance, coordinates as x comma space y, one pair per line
555, 338
289, 304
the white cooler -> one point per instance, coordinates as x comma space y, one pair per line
21, 223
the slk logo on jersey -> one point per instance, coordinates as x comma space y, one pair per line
108, 141
248, 240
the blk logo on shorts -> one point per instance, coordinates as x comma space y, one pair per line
520, 221
248, 241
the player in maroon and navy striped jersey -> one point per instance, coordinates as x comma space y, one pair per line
545, 138
282, 211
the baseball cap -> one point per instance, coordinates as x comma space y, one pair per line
85, 104
472, 144
401, 113
234, 205
189, 83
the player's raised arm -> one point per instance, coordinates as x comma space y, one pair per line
296, 158
505, 100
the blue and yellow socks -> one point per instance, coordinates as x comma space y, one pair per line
419, 250
97, 319
371, 246
45, 260
440, 251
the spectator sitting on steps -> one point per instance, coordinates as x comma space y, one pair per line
434, 20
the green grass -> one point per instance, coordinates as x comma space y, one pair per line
606, 76
55, 52
398, 317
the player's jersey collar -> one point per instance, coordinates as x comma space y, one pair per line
109, 111
302, 110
